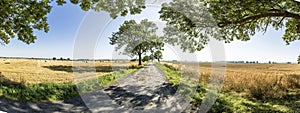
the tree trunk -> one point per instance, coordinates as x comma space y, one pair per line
140, 59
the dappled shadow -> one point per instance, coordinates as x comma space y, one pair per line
19, 91
36, 92
131, 97
291, 103
83, 69
12, 106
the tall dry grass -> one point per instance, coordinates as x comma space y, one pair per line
254, 80
31, 71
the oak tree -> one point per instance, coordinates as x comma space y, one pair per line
136, 38
234, 19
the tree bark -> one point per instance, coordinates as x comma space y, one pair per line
256, 17
140, 59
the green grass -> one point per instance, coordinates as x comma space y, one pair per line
232, 101
58, 91
94, 84
38, 92
172, 74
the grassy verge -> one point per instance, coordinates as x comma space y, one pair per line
231, 101
57, 91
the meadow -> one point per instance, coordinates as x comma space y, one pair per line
247, 87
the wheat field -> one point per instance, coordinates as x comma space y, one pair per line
57, 71
254, 80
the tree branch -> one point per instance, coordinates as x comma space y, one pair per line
256, 17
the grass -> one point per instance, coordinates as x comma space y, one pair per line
262, 81
58, 90
103, 81
233, 100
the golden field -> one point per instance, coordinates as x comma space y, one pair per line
37, 71
255, 80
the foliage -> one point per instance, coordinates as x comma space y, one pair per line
114, 8
188, 24
19, 18
234, 19
298, 59
137, 38
157, 55
240, 20
146, 58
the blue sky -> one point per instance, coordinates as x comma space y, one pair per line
65, 22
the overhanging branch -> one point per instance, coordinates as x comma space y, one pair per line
256, 17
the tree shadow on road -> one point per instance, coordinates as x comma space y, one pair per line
13, 106
133, 99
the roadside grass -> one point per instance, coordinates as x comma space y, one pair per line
232, 101
50, 91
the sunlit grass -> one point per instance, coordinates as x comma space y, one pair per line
58, 84
248, 89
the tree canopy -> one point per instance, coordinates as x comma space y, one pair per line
19, 18
190, 23
136, 38
235, 19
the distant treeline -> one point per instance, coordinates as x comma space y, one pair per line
256, 62
68, 59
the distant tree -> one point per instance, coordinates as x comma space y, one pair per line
137, 38
133, 60
257, 62
298, 59
61, 58
70, 59
158, 55
54, 58
146, 58
270, 62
